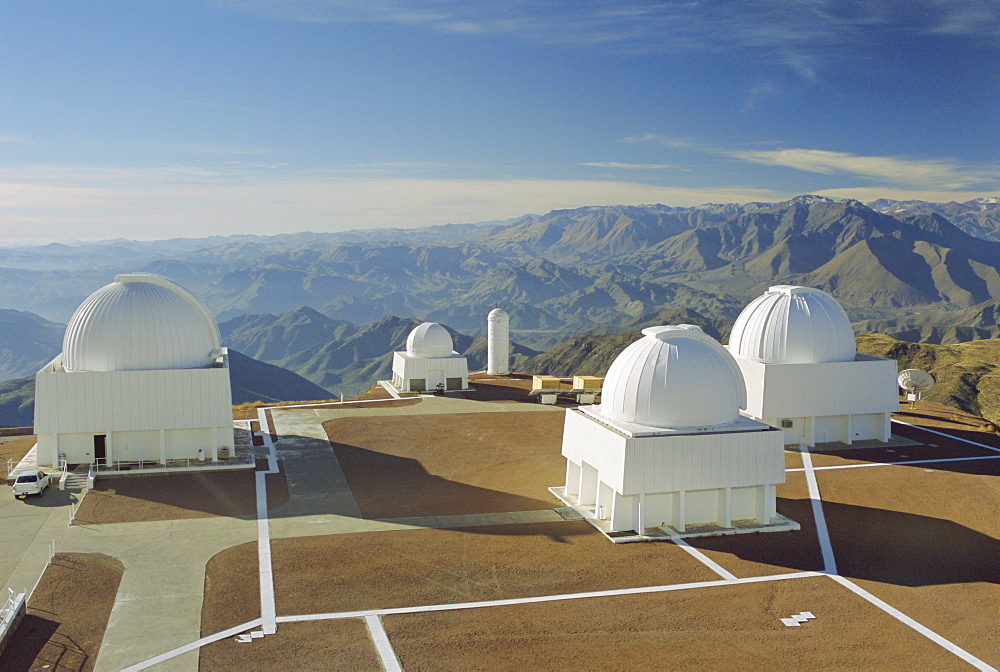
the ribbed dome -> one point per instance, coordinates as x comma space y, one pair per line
793, 325
140, 322
674, 377
429, 339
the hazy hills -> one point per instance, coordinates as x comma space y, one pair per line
559, 274
27, 343
979, 217
250, 380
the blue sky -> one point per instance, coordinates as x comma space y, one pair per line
160, 118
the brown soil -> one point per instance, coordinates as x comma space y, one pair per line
14, 449
943, 448
136, 499
313, 645
450, 464
346, 572
938, 416
67, 615
926, 540
723, 628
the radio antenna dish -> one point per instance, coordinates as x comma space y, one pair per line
915, 382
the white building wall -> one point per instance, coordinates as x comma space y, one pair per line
864, 386
677, 479
432, 370
130, 407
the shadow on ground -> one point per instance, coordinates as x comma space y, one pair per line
871, 544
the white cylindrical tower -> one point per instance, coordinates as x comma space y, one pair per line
498, 342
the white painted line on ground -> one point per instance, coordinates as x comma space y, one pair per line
890, 464
390, 388
925, 631
268, 611
949, 436
829, 562
197, 644
704, 559
831, 569
390, 663
542, 598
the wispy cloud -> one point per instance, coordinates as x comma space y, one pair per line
632, 166
930, 173
16, 140
797, 33
927, 173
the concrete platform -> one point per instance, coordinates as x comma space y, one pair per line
781, 524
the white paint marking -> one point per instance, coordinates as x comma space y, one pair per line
791, 622
829, 563
949, 436
542, 598
197, 644
381, 640
390, 388
890, 464
704, 559
268, 611
925, 631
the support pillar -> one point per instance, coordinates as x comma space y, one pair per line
213, 450
163, 447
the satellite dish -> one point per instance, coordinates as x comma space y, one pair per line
915, 382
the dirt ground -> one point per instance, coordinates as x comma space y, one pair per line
926, 540
726, 628
346, 572
450, 464
67, 615
14, 449
136, 499
938, 416
317, 646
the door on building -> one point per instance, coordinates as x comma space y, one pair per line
100, 447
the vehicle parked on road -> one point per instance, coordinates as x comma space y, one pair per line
31, 483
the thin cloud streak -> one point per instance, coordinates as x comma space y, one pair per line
934, 174
797, 33
897, 171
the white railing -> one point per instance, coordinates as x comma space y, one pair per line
10, 466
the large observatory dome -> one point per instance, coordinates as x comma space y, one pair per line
140, 322
793, 325
674, 377
429, 339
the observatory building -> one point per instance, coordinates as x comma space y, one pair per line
796, 348
142, 376
498, 342
429, 362
667, 446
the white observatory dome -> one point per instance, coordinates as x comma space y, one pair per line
140, 322
674, 377
793, 325
429, 339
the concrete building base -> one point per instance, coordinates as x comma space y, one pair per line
778, 524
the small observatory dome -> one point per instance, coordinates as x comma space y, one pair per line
793, 325
674, 377
429, 339
140, 322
